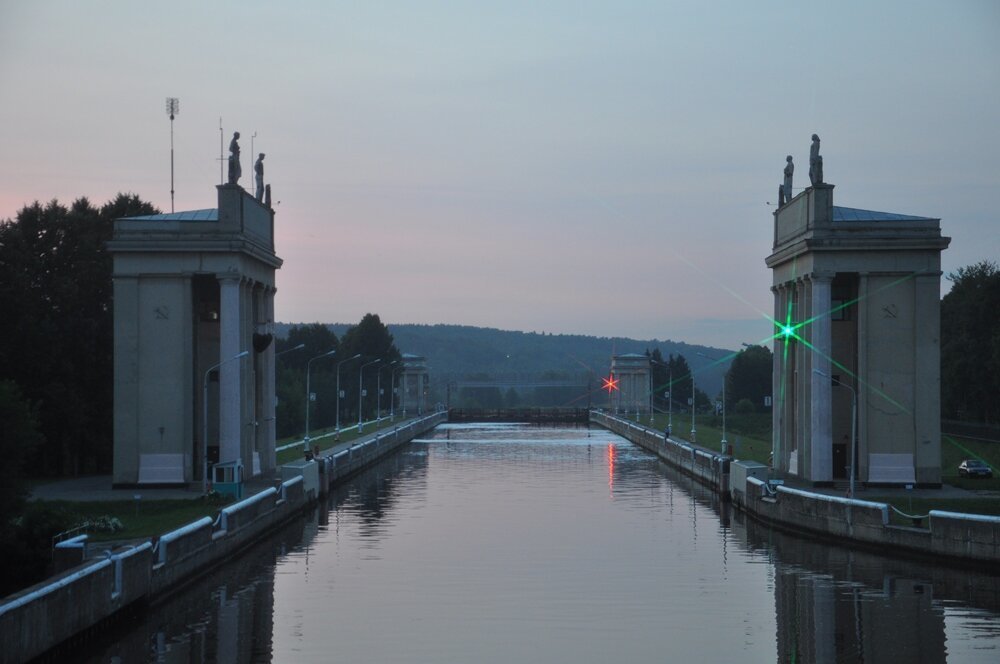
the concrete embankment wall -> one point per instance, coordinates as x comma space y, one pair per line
45, 615
971, 538
709, 468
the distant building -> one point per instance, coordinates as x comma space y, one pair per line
857, 307
631, 371
415, 380
193, 290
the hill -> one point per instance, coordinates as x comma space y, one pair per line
461, 351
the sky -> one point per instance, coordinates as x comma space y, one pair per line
574, 167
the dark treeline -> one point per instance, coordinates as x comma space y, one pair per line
970, 345
367, 343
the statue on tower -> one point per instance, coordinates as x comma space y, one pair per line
785, 193
258, 169
815, 162
235, 171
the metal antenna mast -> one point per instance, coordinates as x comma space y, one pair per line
221, 181
173, 108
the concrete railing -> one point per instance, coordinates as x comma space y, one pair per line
57, 609
179, 543
969, 537
246, 511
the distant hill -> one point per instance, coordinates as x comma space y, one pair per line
458, 351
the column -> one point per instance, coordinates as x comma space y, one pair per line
229, 373
820, 416
777, 367
268, 398
861, 381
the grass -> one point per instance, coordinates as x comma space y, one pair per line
347, 434
709, 433
147, 519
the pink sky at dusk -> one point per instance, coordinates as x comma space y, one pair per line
568, 167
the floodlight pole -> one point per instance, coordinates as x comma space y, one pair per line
173, 109
204, 417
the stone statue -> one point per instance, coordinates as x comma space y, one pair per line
815, 162
235, 171
258, 169
787, 187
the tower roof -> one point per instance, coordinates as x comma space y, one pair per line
841, 213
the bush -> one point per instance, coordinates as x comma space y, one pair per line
744, 406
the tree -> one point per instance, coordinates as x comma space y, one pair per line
291, 379
659, 376
57, 339
750, 376
970, 344
19, 437
680, 390
371, 338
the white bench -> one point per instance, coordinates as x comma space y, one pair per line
161, 469
891, 469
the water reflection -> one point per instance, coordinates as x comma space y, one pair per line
507, 543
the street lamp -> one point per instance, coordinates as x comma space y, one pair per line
305, 440
694, 434
652, 393
289, 350
854, 420
353, 357
392, 393
716, 359
378, 392
204, 417
361, 390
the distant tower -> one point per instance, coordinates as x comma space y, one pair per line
632, 372
857, 310
415, 380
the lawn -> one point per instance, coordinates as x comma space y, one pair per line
144, 518
347, 434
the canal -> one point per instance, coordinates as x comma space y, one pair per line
500, 543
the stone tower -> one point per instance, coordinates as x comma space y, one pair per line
193, 290
857, 311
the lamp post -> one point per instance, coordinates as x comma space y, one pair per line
289, 350
361, 390
378, 392
392, 394
305, 439
714, 359
204, 417
694, 433
651, 390
353, 357
854, 420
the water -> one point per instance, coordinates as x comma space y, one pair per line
500, 543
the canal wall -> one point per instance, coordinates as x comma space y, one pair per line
81, 599
709, 468
969, 538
